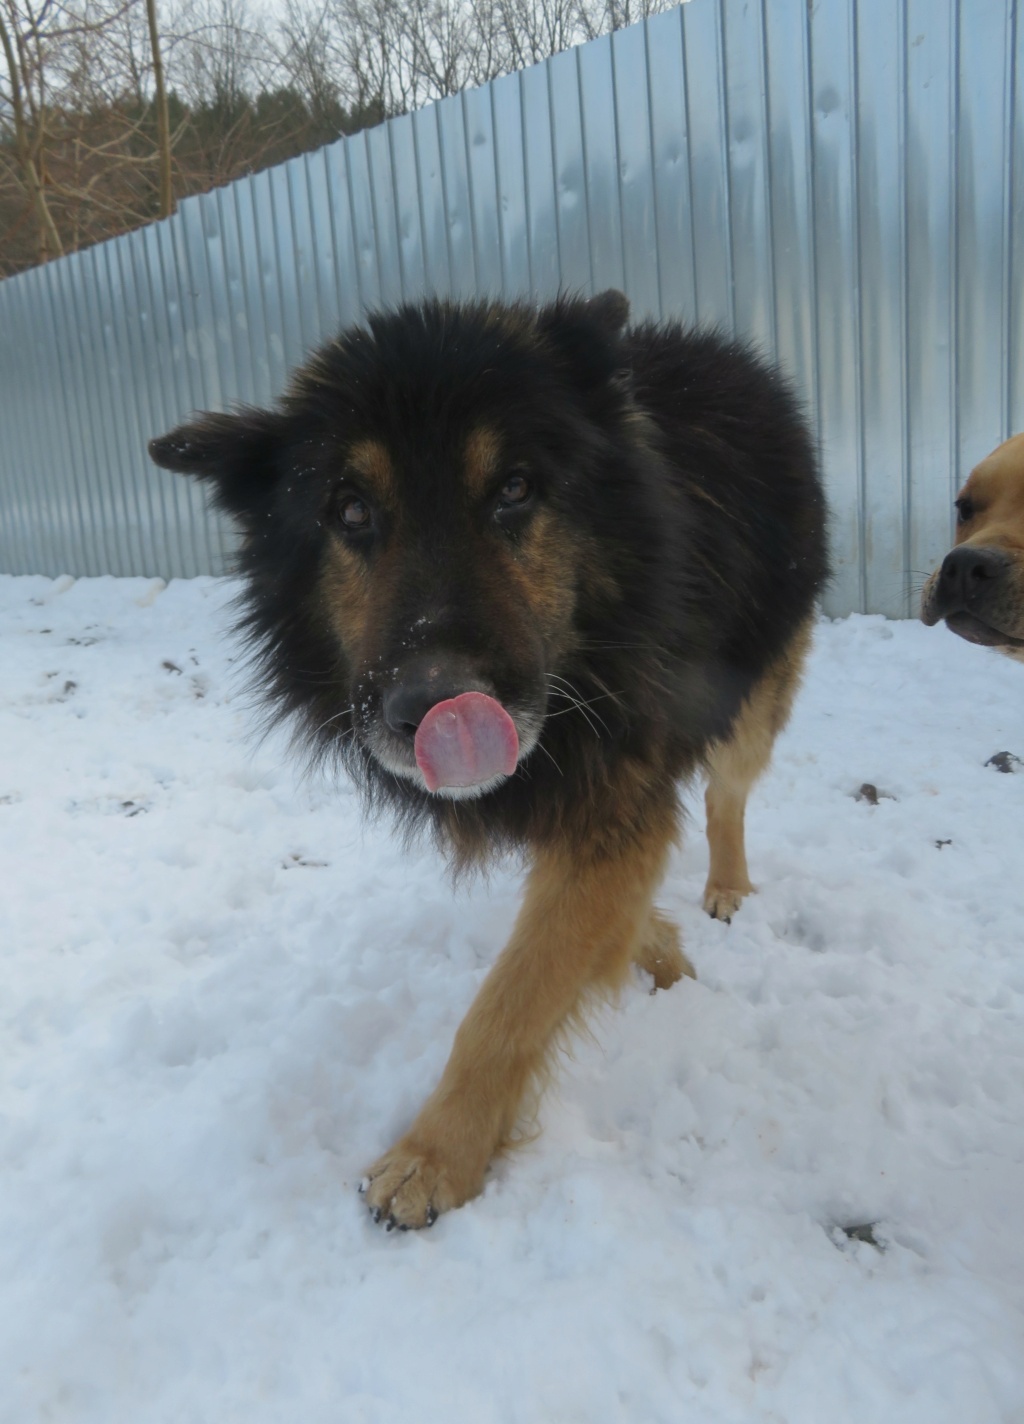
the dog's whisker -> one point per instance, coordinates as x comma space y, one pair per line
336, 717
542, 748
581, 707
593, 646
605, 691
601, 697
574, 695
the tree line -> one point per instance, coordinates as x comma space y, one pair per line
111, 112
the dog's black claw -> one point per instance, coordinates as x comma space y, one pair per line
390, 1224
431, 1215
363, 1185
375, 1214
403, 1226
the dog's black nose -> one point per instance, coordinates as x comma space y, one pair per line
406, 705
422, 685
964, 574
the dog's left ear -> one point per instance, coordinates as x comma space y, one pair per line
587, 334
238, 454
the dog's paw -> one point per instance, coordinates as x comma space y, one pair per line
722, 901
661, 954
408, 1188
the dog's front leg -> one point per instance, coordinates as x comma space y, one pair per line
579, 927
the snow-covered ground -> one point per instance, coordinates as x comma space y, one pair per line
223, 996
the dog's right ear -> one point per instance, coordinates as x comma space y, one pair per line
610, 310
239, 454
586, 336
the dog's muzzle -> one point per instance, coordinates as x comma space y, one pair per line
963, 591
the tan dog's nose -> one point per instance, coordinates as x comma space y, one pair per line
964, 575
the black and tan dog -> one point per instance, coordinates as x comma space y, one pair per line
979, 586
523, 571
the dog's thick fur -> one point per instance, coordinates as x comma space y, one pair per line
619, 534
979, 586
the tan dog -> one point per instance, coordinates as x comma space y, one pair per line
979, 586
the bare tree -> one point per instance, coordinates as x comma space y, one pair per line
20, 35
107, 108
308, 51
401, 54
220, 54
77, 127
162, 114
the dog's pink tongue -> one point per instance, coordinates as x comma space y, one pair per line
465, 741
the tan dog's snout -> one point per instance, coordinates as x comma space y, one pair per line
964, 578
978, 589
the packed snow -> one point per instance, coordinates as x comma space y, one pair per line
792, 1191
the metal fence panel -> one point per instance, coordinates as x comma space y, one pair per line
841, 182
932, 456
879, 54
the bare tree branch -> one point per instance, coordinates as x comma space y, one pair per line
162, 114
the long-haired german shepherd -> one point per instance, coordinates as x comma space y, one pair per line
523, 572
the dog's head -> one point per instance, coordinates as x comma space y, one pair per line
415, 530
979, 586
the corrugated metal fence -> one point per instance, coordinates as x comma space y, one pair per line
841, 180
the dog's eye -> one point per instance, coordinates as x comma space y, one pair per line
514, 492
964, 510
352, 512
